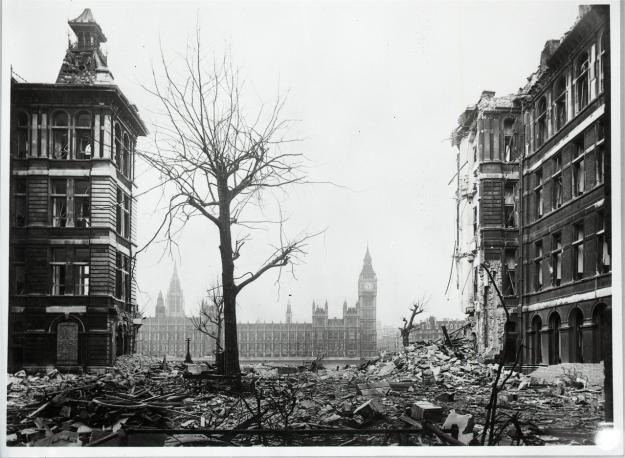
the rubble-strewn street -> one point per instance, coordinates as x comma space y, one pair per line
426, 395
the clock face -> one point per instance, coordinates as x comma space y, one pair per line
368, 286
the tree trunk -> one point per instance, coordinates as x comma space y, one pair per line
231, 346
405, 338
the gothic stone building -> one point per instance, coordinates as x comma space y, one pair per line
165, 334
565, 230
352, 336
487, 177
71, 296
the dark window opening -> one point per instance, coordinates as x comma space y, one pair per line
556, 259
581, 81
559, 119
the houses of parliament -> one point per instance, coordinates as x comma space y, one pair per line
352, 336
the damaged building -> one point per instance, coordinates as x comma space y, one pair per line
71, 295
565, 231
487, 230
533, 203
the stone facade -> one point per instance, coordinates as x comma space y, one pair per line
72, 299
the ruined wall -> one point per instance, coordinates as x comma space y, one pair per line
489, 319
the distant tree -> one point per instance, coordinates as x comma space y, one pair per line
415, 309
216, 160
210, 318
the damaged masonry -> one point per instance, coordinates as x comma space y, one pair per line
528, 364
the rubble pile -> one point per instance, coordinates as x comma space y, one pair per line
427, 394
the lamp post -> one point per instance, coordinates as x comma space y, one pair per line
188, 359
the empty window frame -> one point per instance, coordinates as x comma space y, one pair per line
123, 213
70, 271
117, 142
559, 104
580, 82
538, 195
540, 122
508, 139
20, 202
556, 182
60, 136
22, 137
70, 202
509, 192
603, 244
84, 136
59, 197
556, 259
509, 274
600, 63
578, 251
538, 265
122, 277
125, 166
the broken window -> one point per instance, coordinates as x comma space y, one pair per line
70, 202
70, 271
509, 204
556, 188
601, 61
509, 278
600, 164
117, 155
538, 194
538, 265
578, 177
84, 136
123, 213
125, 168
540, 123
60, 136
23, 143
58, 195
578, 251
20, 202
559, 104
556, 259
581, 81
603, 245
508, 132
122, 277
82, 205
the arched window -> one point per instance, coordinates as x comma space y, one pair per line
84, 136
581, 81
23, 142
60, 135
602, 332
559, 104
576, 319
126, 156
554, 338
117, 156
537, 324
540, 122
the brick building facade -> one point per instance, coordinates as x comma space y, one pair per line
71, 297
544, 216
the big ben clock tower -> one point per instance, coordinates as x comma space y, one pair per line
367, 292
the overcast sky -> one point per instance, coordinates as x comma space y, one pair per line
375, 87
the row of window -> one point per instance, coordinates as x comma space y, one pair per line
506, 151
70, 272
587, 79
579, 248
70, 204
592, 141
73, 138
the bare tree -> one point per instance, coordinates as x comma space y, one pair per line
415, 309
216, 161
210, 318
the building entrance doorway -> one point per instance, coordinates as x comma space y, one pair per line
554, 339
67, 343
